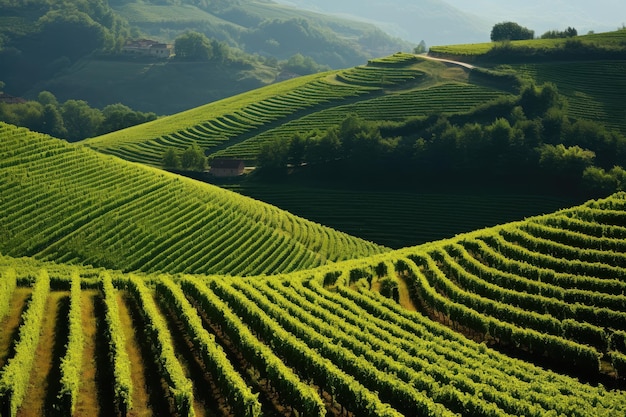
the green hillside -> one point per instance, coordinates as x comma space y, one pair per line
395, 88
399, 218
594, 89
73, 205
606, 45
327, 341
76, 49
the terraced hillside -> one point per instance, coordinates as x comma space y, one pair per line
325, 341
400, 86
605, 42
594, 90
73, 205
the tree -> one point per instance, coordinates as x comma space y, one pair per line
52, 121
81, 121
193, 46
193, 158
421, 48
570, 32
171, 159
566, 161
46, 97
118, 116
302, 65
510, 31
273, 156
70, 33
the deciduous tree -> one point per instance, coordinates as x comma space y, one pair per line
510, 31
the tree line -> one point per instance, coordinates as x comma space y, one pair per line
73, 120
527, 139
511, 31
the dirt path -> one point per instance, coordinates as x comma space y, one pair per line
449, 61
141, 396
88, 401
44, 382
405, 296
207, 401
11, 323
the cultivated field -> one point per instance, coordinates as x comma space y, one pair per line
325, 341
71, 204
127, 290
609, 41
394, 88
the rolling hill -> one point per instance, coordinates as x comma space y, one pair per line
325, 341
128, 290
394, 88
75, 50
434, 21
81, 207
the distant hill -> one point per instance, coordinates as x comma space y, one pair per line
434, 21
70, 204
440, 22
74, 50
541, 16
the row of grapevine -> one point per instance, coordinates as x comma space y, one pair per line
15, 375
587, 98
448, 97
8, 282
444, 347
118, 356
156, 331
369, 354
241, 399
537, 341
251, 116
555, 291
350, 393
386, 354
378, 75
301, 396
71, 364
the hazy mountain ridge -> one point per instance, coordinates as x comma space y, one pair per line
441, 22
83, 59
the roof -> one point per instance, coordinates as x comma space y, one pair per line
9, 99
226, 163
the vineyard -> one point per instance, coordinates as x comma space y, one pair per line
390, 218
394, 88
126, 290
73, 205
587, 98
334, 340
609, 40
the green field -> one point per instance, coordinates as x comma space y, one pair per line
397, 219
399, 86
594, 90
126, 290
325, 341
81, 207
609, 41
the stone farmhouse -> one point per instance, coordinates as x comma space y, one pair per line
148, 47
223, 167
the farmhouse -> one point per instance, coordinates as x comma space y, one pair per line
149, 47
9, 99
222, 167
